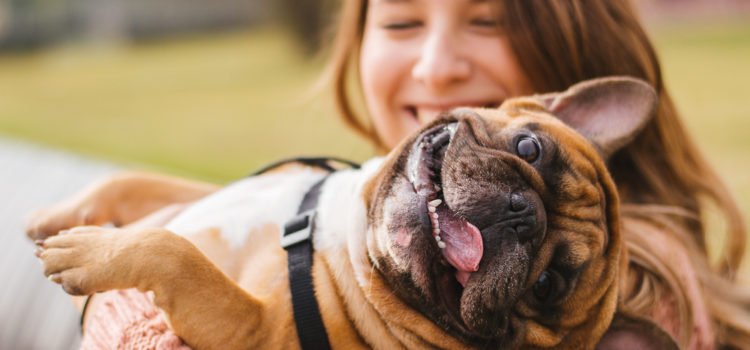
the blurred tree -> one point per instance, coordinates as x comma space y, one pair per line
308, 20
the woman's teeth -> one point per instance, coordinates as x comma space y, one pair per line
427, 114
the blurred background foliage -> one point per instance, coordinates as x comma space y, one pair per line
214, 90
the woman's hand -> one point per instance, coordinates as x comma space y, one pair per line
117, 200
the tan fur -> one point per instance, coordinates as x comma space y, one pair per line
221, 297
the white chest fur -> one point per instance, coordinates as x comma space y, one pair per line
238, 209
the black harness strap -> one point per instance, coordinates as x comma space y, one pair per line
297, 240
320, 162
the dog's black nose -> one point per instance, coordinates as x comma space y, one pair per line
518, 202
532, 221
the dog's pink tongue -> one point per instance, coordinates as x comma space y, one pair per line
463, 243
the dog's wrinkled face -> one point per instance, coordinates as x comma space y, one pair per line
500, 226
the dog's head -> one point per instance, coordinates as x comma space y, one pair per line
501, 225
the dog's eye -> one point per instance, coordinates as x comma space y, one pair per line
547, 287
528, 149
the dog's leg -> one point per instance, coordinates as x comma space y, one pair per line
119, 199
156, 219
205, 308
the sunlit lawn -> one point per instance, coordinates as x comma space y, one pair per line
215, 107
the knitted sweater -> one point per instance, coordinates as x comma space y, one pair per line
128, 319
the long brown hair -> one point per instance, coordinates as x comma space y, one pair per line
665, 183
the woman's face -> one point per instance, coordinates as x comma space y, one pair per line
420, 57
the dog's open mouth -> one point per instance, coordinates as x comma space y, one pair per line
459, 241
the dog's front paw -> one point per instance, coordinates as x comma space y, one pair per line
81, 259
94, 205
48, 222
90, 259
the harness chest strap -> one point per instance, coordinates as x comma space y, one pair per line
297, 240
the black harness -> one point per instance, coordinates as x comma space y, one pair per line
297, 240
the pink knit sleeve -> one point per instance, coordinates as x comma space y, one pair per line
127, 319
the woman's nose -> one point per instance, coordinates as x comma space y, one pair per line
440, 64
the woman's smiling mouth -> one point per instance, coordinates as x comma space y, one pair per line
424, 113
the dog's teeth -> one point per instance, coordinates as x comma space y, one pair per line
437, 238
435, 203
431, 209
441, 244
437, 216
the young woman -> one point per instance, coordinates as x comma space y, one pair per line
410, 59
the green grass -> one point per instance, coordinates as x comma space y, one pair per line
209, 107
216, 107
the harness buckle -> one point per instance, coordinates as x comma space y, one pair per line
298, 229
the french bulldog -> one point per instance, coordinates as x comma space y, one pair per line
489, 228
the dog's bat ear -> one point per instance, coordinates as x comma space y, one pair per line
608, 111
631, 332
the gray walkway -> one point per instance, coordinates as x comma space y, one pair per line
36, 314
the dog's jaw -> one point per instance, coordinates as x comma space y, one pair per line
459, 240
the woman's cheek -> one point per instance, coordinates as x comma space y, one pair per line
383, 66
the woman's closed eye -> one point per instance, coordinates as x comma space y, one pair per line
485, 22
401, 25
486, 25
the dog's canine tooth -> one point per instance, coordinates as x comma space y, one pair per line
435, 203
